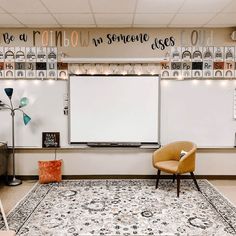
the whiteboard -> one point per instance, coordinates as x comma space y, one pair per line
190, 110
114, 109
46, 103
200, 111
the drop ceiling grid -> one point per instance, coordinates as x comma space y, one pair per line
118, 13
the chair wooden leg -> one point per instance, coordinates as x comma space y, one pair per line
178, 184
158, 177
195, 181
174, 178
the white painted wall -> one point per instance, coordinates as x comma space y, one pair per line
120, 161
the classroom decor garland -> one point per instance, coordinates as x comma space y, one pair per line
31, 63
180, 63
200, 62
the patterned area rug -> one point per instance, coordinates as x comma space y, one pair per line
123, 207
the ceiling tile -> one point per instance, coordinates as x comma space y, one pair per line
150, 26
230, 7
113, 6
26, 6
203, 6
224, 18
219, 26
78, 26
155, 6
67, 6
156, 19
114, 26
12, 26
117, 13
45, 26
2, 11
73, 19
185, 26
36, 19
113, 19
6, 19
191, 19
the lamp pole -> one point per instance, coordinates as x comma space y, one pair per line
14, 181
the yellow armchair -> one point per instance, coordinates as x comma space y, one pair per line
168, 159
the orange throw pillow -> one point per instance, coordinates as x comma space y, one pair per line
49, 171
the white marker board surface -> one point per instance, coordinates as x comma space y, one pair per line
45, 109
190, 110
114, 109
200, 111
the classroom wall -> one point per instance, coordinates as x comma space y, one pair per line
120, 161
95, 43
103, 42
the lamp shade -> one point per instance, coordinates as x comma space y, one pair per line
9, 92
26, 119
24, 101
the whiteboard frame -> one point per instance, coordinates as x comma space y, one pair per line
123, 144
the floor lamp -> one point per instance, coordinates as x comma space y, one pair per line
3, 106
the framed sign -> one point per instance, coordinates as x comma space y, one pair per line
50, 139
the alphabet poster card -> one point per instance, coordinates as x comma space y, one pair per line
207, 53
20, 58
197, 62
30, 62
51, 62
9, 64
186, 62
165, 67
218, 62
176, 62
229, 65
165, 70
62, 70
41, 64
